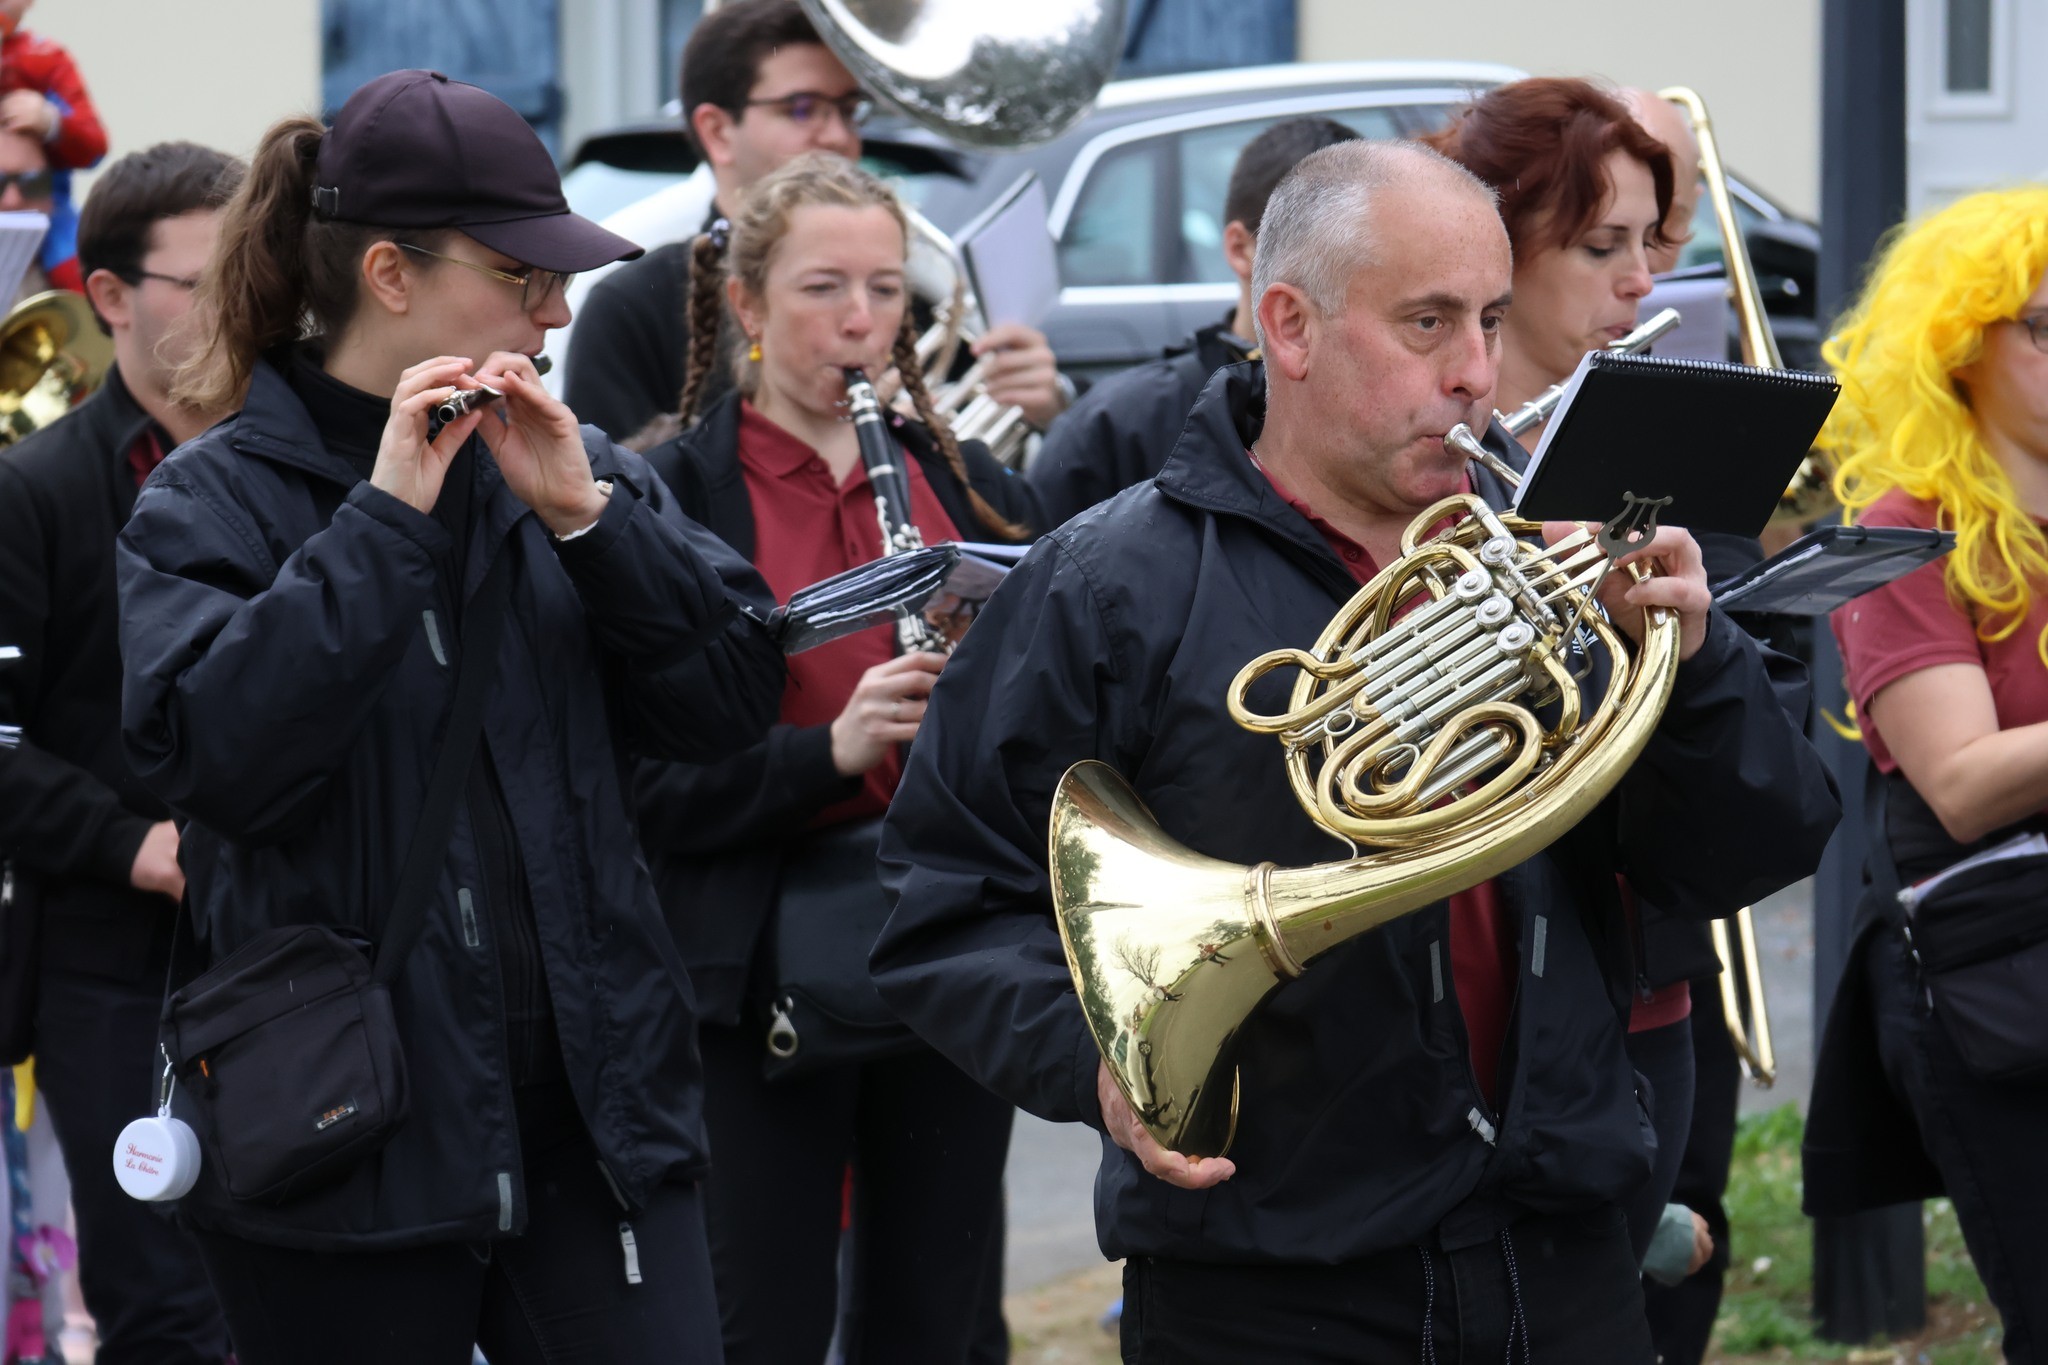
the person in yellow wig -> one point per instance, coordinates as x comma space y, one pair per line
1931, 1074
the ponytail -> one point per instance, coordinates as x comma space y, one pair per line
254, 286
279, 274
912, 375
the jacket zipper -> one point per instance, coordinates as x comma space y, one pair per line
508, 1182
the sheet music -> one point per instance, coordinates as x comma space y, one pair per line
21, 237
1010, 256
1702, 304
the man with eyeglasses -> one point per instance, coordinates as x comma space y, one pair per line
94, 855
759, 87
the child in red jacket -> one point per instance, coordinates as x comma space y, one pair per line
42, 95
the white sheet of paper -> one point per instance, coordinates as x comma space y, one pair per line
1010, 256
21, 237
1702, 304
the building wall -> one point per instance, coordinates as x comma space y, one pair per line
212, 71
1755, 62
1958, 142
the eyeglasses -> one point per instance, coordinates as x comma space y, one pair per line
136, 277
32, 184
2036, 328
808, 106
536, 286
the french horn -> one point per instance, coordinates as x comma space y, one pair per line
1449, 723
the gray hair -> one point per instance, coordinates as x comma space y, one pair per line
1318, 226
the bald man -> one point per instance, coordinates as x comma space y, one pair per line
1438, 1124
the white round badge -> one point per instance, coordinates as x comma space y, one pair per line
157, 1158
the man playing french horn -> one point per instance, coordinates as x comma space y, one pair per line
1434, 1129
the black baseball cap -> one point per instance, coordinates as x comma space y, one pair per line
414, 149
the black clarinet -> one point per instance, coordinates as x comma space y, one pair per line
882, 457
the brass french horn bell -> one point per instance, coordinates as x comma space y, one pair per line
52, 355
1442, 723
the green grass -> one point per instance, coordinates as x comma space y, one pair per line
1767, 1313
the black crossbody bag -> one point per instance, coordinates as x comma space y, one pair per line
1979, 940
290, 1065
823, 1009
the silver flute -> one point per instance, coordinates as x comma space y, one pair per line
468, 400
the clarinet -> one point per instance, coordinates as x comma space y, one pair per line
882, 457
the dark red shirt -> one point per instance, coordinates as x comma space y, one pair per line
1482, 944
147, 453
807, 528
1911, 623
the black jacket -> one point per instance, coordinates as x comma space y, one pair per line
716, 833
1862, 1148
1120, 432
289, 669
72, 815
1357, 1129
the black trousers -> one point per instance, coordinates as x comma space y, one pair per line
96, 1070
1984, 1138
1561, 1290
927, 1146
1682, 1315
1664, 1057
559, 1295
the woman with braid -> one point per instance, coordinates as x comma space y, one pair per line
812, 282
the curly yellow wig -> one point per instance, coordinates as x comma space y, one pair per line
1903, 422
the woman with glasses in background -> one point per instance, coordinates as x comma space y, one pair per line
1943, 422
297, 587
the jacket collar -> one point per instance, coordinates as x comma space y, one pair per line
1216, 345
1209, 468
274, 425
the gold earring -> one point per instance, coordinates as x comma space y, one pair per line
754, 353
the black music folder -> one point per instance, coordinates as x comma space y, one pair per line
862, 596
947, 584
1817, 573
1720, 441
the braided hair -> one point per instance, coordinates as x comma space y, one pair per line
912, 374
707, 313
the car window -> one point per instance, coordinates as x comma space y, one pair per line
1111, 236
1206, 158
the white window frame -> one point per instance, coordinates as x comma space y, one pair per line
1996, 102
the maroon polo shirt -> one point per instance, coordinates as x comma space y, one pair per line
1482, 944
146, 453
807, 528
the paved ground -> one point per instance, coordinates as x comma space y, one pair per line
1052, 1166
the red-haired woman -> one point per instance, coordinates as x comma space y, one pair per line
1586, 193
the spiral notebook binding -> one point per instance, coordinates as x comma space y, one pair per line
1608, 360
